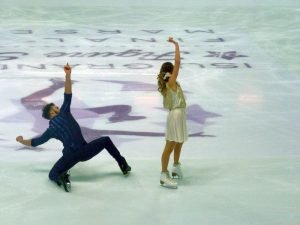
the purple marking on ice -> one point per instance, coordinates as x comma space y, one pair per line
33, 104
121, 113
198, 114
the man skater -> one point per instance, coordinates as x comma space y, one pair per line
63, 126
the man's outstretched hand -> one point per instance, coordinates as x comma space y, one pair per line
68, 69
19, 139
68, 83
23, 141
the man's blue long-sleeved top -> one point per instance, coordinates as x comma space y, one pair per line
64, 128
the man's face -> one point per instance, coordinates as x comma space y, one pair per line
54, 111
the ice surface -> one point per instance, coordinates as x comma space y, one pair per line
240, 73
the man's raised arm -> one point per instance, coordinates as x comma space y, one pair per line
68, 83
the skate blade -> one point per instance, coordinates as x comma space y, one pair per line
175, 176
67, 187
127, 173
168, 186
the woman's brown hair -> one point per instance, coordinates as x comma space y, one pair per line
166, 67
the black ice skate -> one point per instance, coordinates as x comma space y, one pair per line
65, 181
125, 168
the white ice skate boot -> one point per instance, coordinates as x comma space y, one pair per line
176, 171
166, 181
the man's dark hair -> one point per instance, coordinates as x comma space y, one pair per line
46, 110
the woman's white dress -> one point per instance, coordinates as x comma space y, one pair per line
176, 129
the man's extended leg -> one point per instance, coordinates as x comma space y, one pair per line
93, 148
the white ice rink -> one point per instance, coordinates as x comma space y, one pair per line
241, 77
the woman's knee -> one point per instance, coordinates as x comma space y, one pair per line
169, 147
170, 144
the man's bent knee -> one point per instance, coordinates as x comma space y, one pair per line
53, 176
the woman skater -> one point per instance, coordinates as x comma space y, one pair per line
176, 130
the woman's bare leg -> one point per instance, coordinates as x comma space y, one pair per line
177, 151
169, 147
